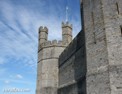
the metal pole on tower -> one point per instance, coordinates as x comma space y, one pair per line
67, 13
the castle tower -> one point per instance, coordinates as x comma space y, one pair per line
103, 34
48, 55
43, 33
66, 32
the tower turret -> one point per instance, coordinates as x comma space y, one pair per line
43, 34
66, 32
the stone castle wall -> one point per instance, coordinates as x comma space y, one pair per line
102, 26
72, 67
98, 81
113, 30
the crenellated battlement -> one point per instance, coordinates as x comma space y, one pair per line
67, 24
43, 29
53, 43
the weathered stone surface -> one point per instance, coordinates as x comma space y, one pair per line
70, 89
103, 35
98, 83
116, 79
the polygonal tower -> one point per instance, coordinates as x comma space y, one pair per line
48, 55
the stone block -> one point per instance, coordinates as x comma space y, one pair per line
98, 83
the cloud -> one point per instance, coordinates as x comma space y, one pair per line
18, 76
19, 39
6, 81
2, 61
2, 71
11, 81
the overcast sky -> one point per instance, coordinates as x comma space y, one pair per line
19, 23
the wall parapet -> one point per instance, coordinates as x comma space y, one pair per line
53, 43
43, 29
67, 24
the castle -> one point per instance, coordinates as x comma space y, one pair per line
91, 63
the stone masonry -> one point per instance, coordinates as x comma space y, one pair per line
103, 37
72, 67
91, 63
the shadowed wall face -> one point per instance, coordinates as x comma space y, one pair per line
72, 67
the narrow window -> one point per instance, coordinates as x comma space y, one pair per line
121, 30
94, 37
92, 15
117, 7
